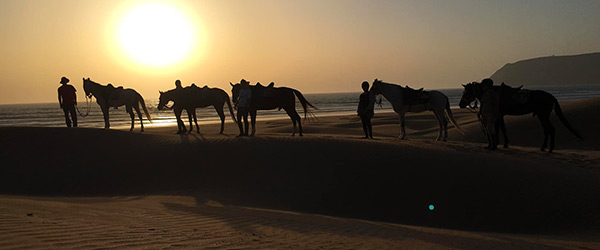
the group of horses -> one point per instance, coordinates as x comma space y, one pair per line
193, 97
495, 101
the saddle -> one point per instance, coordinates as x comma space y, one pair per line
265, 91
515, 95
412, 96
113, 94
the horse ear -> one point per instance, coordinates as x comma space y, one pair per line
160, 92
231, 84
464, 85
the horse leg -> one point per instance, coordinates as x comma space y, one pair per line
402, 128
219, 110
106, 117
299, 123
252, 120
548, 132
190, 119
295, 117
130, 111
137, 110
196, 122
443, 124
503, 129
552, 135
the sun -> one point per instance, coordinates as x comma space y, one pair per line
156, 34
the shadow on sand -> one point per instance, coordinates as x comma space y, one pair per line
328, 176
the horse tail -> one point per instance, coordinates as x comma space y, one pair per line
144, 107
562, 118
229, 106
305, 104
452, 120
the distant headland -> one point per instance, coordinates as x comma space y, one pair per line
552, 70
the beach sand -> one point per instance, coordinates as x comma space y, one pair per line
91, 188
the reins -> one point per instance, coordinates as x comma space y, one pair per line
88, 102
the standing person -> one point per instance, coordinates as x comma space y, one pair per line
242, 104
366, 103
68, 100
178, 84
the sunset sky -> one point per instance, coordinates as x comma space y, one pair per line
314, 46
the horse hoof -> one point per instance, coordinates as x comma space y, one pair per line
445, 139
543, 150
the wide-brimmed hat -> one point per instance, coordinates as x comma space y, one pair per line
64, 80
244, 81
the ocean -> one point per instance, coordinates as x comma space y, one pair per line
50, 114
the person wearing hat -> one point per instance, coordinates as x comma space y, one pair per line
178, 84
68, 100
366, 103
243, 104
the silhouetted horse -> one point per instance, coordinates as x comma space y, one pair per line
265, 98
108, 96
409, 100
190, 98
514, 101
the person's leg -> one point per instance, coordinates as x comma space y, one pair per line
369, 126
73, 115
67, 120
246, 124
239, 120
363, 120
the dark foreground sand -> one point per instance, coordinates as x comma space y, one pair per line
90, 188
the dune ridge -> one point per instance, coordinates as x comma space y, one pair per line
91, 188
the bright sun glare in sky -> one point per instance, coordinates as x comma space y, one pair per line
156, 34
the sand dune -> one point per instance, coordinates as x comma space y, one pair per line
90, 188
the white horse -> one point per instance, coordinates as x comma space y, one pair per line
106, 98
437, 102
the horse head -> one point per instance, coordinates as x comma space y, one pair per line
235, 90
470, 93
163, 99
87, 87
376, 87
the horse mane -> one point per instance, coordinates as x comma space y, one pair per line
91, 81
399, 86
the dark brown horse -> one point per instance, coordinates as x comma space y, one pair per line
109, 96
190, 98
516, 101
265, 98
